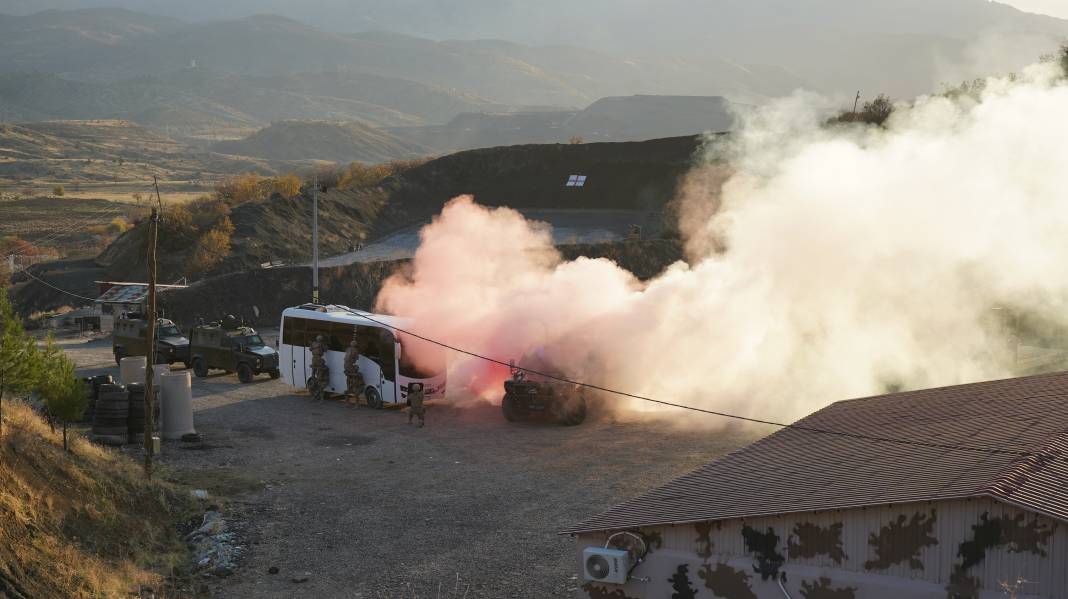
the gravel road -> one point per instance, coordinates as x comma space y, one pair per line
568, 227
365, 506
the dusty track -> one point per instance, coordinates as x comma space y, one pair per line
367, 505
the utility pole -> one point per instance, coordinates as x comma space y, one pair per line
315, 240
856, 103
150, 359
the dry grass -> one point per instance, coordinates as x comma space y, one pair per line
84, 524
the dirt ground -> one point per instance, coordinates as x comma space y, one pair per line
363, 505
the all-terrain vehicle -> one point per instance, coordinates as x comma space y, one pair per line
529, 396
230, 346
130, 338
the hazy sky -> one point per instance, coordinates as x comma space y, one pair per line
1056, 8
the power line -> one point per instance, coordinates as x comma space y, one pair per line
783, 425
46, 283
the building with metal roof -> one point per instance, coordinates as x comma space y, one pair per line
937, 493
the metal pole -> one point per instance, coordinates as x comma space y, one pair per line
315, 241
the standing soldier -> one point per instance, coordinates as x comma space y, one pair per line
415, 401
352, 370
318, 363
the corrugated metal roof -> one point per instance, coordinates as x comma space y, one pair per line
798, 471
124, 294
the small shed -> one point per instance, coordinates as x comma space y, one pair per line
118, 298
953, 492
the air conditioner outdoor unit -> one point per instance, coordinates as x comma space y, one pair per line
600, 564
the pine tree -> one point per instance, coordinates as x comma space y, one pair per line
20, 362
64, 395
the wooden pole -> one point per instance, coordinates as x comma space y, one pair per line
856, 103
150, 360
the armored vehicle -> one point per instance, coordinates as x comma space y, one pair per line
130, 338
529, 396
232, 347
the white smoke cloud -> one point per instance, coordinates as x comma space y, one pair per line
833, 263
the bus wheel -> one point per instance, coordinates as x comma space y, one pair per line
512, 411
374, 399
244, 373
200, 369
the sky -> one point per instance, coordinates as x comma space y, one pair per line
1055, 8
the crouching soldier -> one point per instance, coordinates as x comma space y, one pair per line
320, 374
415, 403
353, 378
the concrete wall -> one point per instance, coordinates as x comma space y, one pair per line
922, 551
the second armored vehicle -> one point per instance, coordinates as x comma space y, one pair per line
232, 347
130, 338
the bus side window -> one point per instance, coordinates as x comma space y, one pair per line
368, 338
340, 336
316, 328
293, 331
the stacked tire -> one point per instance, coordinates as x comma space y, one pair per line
135, 417
110, 426
93, 384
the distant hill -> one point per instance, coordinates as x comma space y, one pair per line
321, 140
107, 150
202, 104
621, 118
901, 47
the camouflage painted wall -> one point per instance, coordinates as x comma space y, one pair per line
943, 550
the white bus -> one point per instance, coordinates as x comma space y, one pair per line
387, 356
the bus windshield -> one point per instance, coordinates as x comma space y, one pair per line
420, 359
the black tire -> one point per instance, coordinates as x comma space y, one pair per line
374, 398
119, 355
244, 373
570, 411
513, 412
161, 358
200, 369
275, 374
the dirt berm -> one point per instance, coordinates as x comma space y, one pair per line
260, 295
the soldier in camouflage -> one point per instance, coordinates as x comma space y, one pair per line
353, 377
319, 369
415, 403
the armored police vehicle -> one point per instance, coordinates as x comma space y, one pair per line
231, 347
130, 338
530, 394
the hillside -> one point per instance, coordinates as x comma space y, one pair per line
322, 140
621, 118
569, 54
106, 151
641, 177
85, 524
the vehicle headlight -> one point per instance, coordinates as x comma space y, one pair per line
259, 362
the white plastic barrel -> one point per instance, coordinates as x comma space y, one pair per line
176, 405
158, 370
132, 369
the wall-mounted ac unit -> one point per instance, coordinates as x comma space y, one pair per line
600, 564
